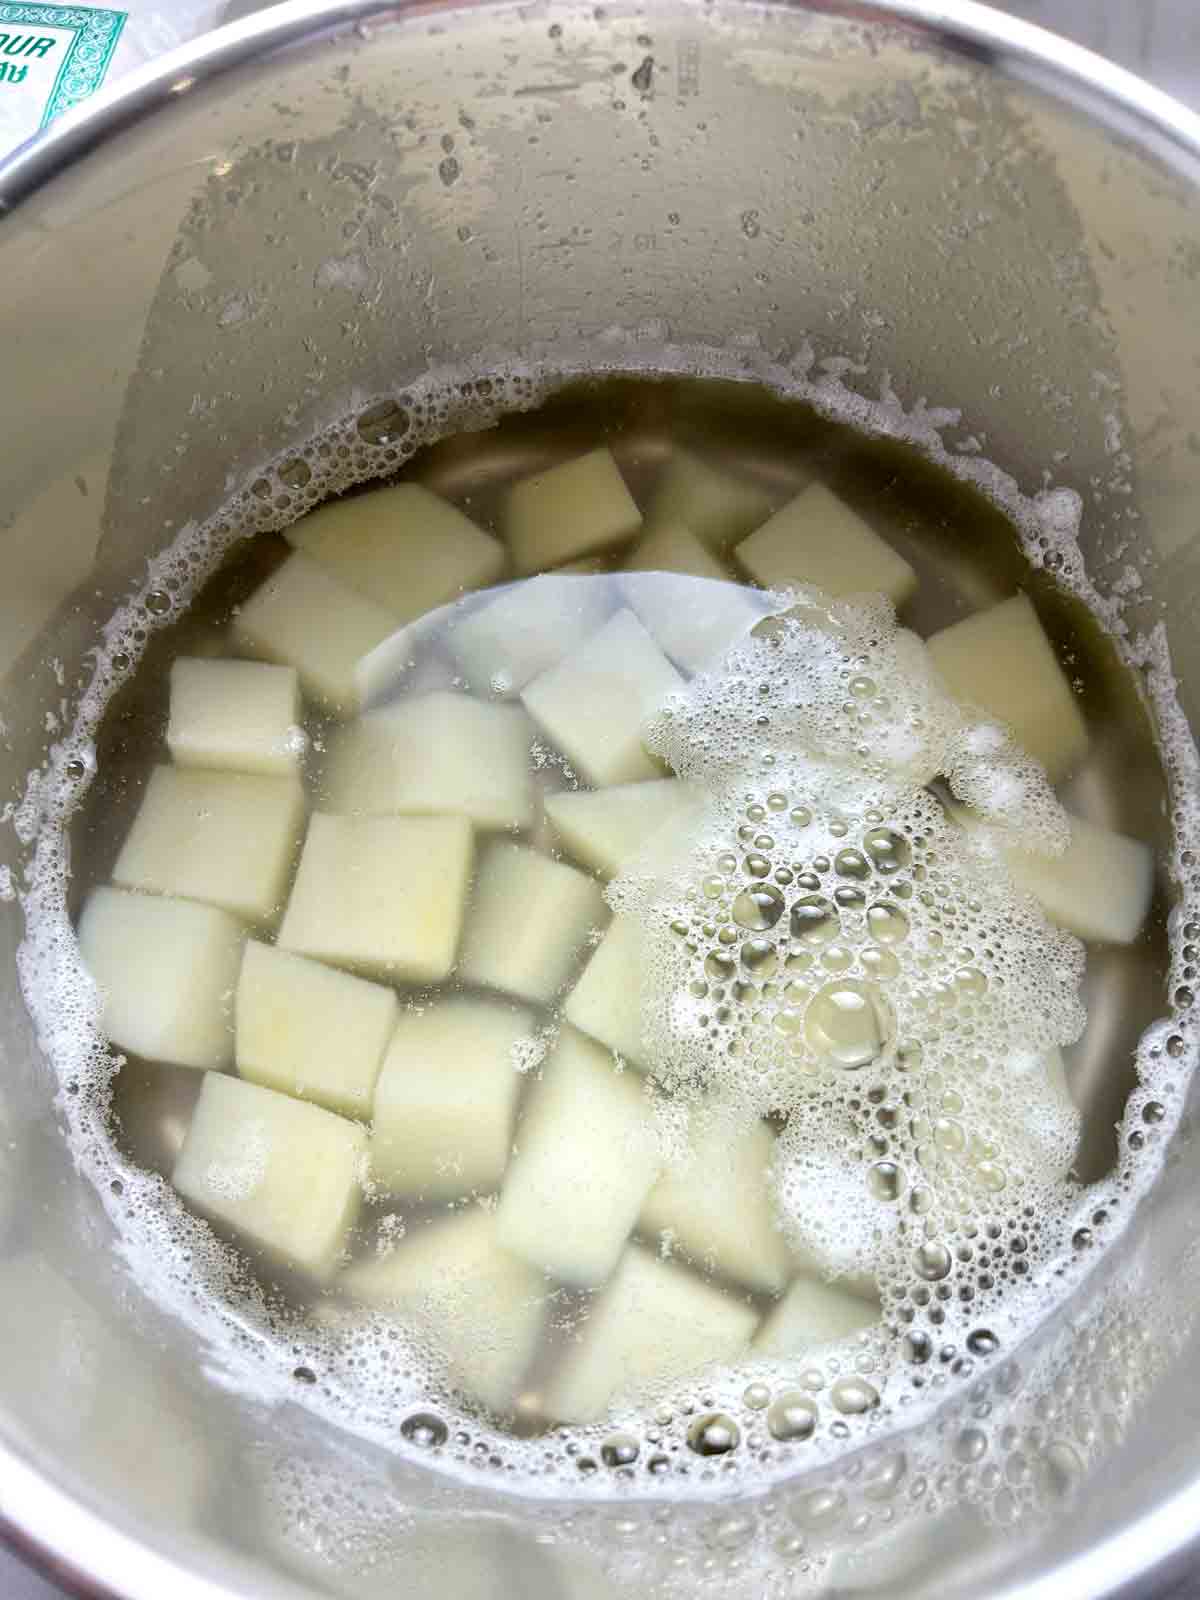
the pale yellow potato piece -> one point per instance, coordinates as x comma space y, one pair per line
672, 547
227, 838
284, 1175
477, 1304
384, 896
605, 828
310, 1031
585, 567
529, 919
235, 716
527, 629
303, 617
653, 1324
404, 548
594, 705
695, 622
167, 970
446, 1097
718, 1207
1001, 662
571, 510
586, 1156
813, 1313
440, 753
816, 541
718, 507
1099, 888
606, 1002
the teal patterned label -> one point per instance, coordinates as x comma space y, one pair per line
51, 58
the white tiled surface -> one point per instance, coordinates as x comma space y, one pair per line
1158, 38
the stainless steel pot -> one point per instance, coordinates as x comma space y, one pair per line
313, 207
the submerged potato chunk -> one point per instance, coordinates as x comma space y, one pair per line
404, 548
654, 1323
813, 1313
303, 617
167, 970
567, 511
236, 716
526, 630
585, 1158
381, 895
695, 623
284, 1175
605, 828
606, 1002
435, 753
594, 704
1001, 661
480, 1306
309, 1031
817, 541
227, 838
718, 1207
719, 508
672, 547
1099, 888
529, 920
445, 1099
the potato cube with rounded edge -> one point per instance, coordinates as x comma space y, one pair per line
718, 1207
403, 547
717, 507
606, 1002
595, 704
654, 1323
695, 621
605, 828
585, 1157
384, 896
574, 509
813, 1313
672, 547
167, 970
529, 919
226, 838
310, 1031
1001, 661
473, 1301
236, 716
439, 753
527, 629
446, 1097
303, 617
1099, 888
816, 541
284, 1175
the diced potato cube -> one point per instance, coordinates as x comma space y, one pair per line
607, 1000
586, 1156
816, 541
309, 1031
653, 1324
440, 753
605, 828
471, 1299
284, 1175
446, 1096
672, 547
167, 970
1099, 888
382, 895
237, 716
574, 509
404, 548
526, 630
719, 1208
1001, 661
304, 618
226, 838
529, 920
719, 508
594, 705
694, 621
813, 1313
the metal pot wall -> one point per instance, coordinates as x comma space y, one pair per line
311, 209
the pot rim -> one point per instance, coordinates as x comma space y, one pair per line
101, 1562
